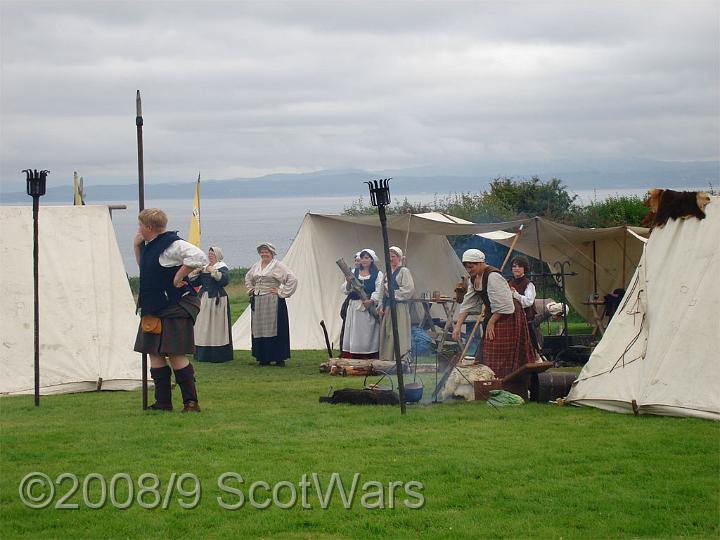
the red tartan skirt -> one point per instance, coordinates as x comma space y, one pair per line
511, 348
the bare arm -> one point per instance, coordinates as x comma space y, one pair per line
179, 279
490, 330
137, 247
458, 325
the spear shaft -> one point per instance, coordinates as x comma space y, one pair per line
141, 207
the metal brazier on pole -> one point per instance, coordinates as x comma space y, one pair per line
36, 183
380, 197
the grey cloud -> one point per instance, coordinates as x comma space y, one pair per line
245, 88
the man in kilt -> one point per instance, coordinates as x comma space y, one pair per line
165, 260
506, 342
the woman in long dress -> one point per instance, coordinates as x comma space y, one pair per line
362, 330
213, 338
269, 282
344, 307
403, 286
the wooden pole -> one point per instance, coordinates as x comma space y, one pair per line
141, 207
595, 290
624, 254
539, 248
512, 247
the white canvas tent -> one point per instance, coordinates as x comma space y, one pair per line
604, 259
660, 349
322, 239
87, 312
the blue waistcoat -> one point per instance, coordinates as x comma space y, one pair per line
156, 281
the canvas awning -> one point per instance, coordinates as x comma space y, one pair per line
603, 258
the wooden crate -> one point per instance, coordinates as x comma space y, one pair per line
482, 388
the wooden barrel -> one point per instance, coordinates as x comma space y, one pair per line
550, 385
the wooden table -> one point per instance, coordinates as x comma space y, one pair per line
448, 305
598, 316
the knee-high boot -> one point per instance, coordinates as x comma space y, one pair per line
163, 391
185, 379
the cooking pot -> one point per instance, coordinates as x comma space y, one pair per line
413, 392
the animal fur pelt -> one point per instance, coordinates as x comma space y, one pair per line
460, 382
356, 396
667, 204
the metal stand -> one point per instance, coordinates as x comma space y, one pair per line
36, 182
380, 197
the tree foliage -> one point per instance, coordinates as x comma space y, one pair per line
612, 212
509, 198
533, 197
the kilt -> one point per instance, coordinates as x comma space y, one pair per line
511, 348
176, 336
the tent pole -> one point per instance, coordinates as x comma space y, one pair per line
624, 254
537, 239
542, 270
595, 293
141, 207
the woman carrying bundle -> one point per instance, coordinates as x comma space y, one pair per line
362, 331
213, 338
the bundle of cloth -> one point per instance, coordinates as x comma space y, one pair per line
547, 308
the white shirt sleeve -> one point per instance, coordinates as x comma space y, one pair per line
472, 303
500, 295
181, 253
406, 286
288, 281
377, 296
249, 278
528, 299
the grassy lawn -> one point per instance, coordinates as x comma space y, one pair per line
536, 471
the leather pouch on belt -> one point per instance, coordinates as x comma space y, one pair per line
151, 324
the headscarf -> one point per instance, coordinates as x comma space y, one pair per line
370, 252
397, 251
473, 256
219, 256
268, 246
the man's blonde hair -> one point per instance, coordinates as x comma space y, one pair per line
153, 217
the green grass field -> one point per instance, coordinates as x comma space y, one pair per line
536, 471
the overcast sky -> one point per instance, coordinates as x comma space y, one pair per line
245, 89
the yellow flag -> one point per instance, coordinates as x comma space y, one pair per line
194, 234
77, 191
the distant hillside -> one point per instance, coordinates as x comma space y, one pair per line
432, 179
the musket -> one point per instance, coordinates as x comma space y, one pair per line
358, 288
